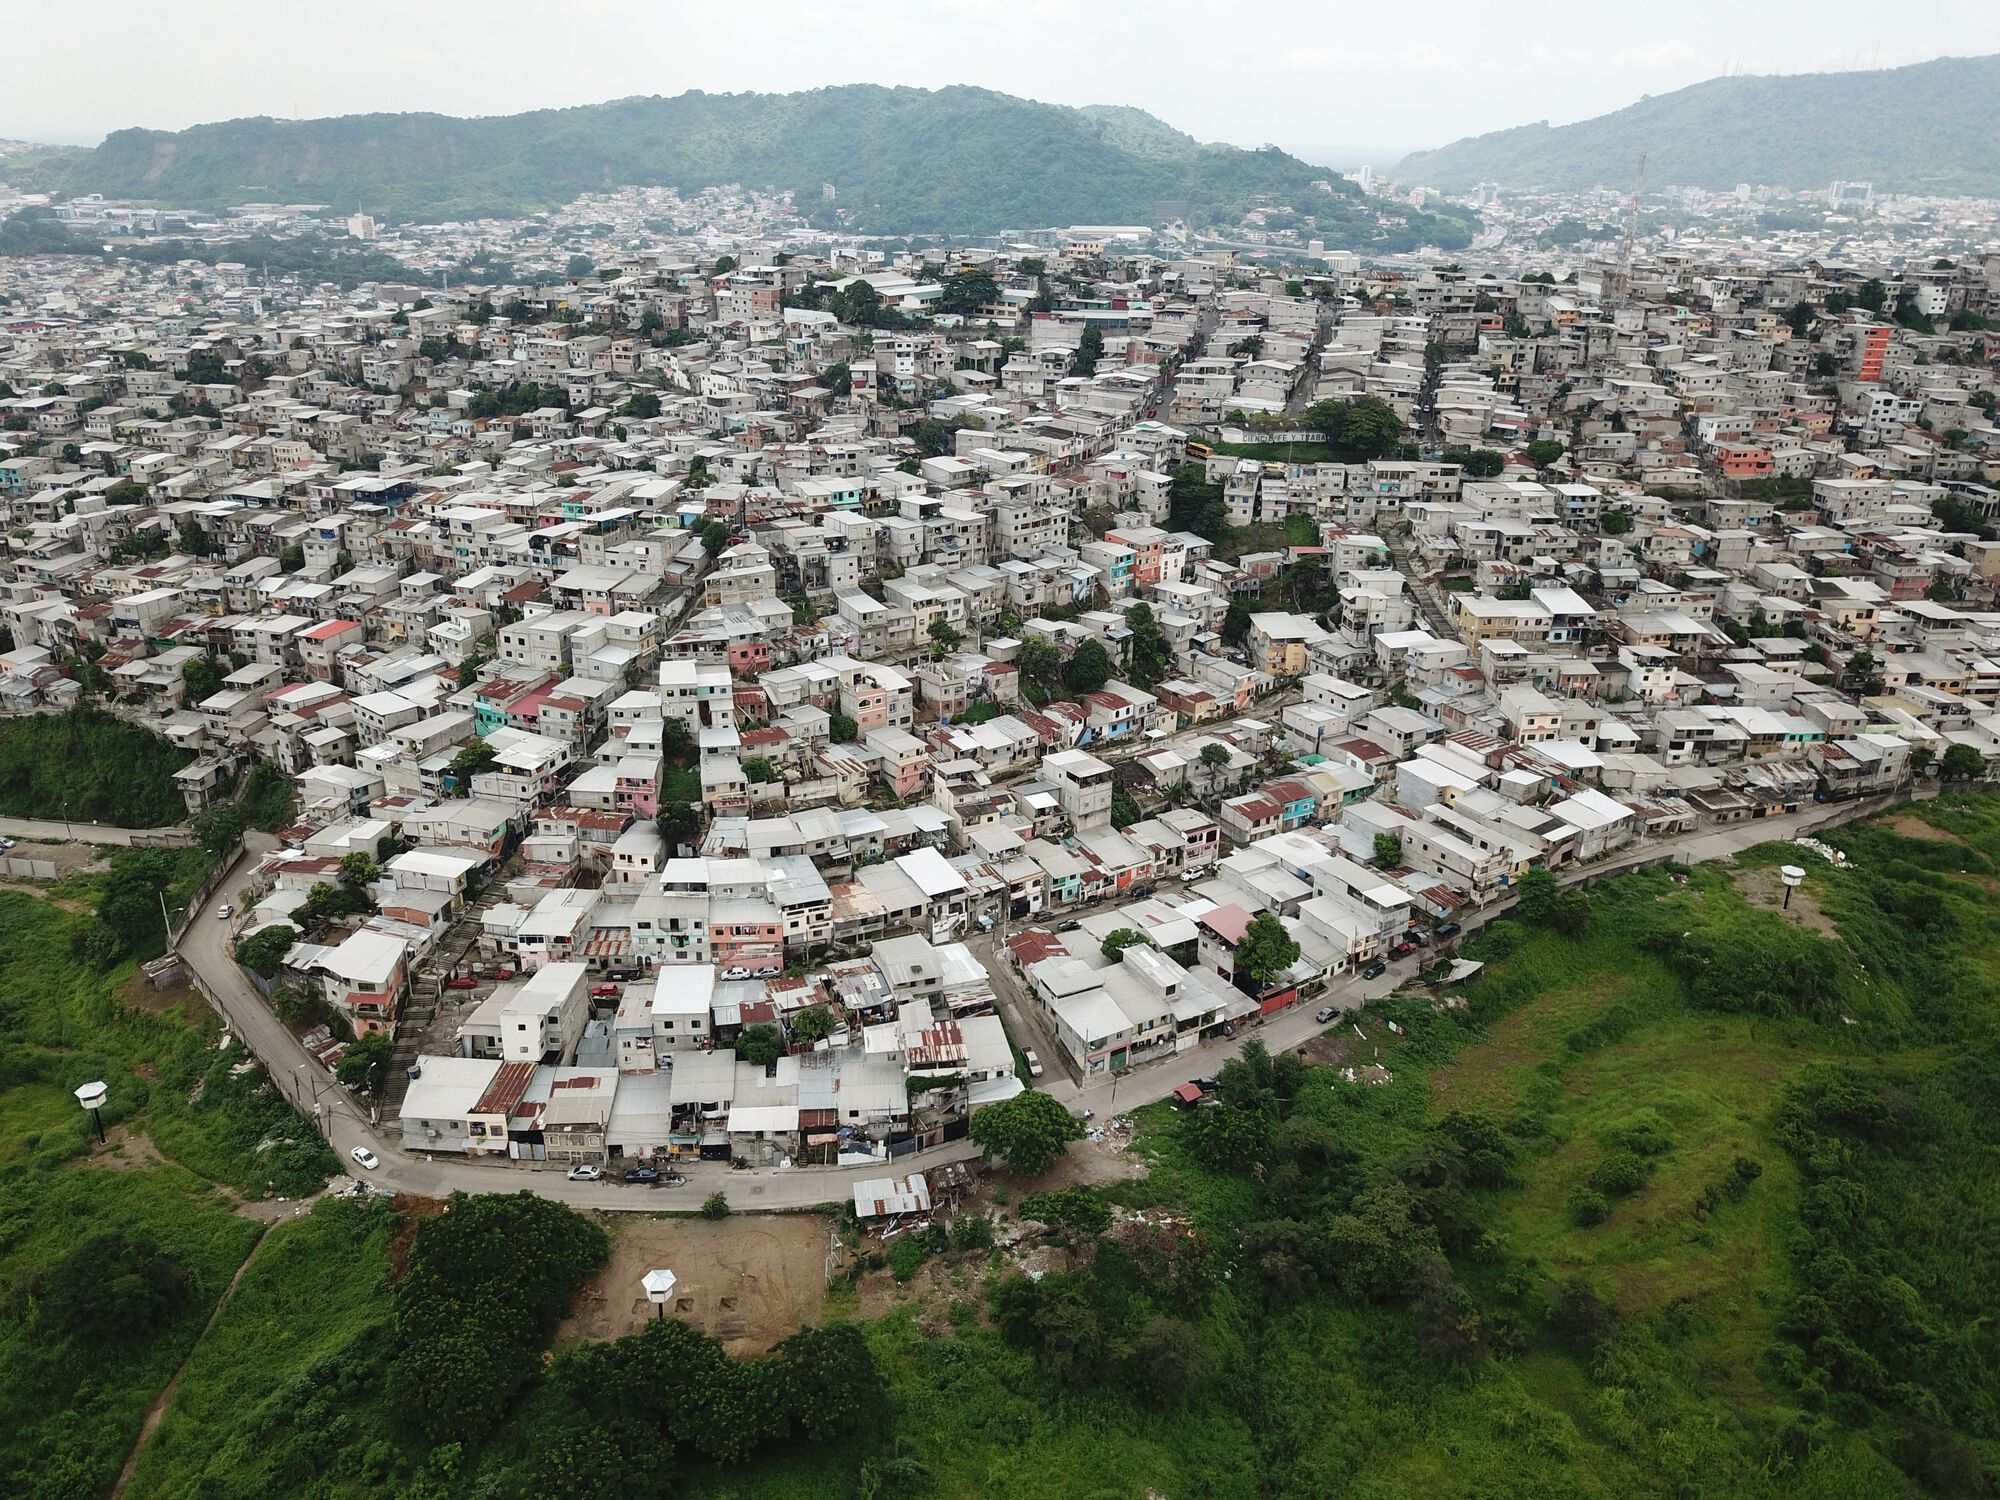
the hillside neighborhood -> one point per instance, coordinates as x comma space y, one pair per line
766, 705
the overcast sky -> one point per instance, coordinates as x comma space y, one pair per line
1324, 78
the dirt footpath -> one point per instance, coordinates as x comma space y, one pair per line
749, 1280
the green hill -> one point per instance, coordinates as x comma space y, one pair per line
1928, 128
901, 161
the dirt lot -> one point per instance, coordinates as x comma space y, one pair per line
748, 1280
1762, 887
1910, 826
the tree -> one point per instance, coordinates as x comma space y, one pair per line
1041, 661
357, 868
968, 290
364, 1062
1214, 760
1860, 668
759, 769
265, 949
219, 827
1872, 295
813, 1024
1388, 850
1118, 941
1076, 1209
1962, 763
679, 823
1265, 950
1089, 667
474, 759
1028, 1131
1617, 521
641, 404
842, 730
759, 1045
1921, 757
1089, 350
1544, 451
1194, 504
714, 537
200, 678
1547, 904
111, 1290
724, 264
1146, 650
1236, 623
944, 637
196, 542
1799, 317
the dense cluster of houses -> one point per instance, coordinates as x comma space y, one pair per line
704, 659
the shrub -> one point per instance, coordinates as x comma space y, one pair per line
906, 1255
1587, 1206
1620, 1173
715, 1206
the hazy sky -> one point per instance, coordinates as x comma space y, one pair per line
1319, 77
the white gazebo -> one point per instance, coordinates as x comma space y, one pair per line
659, 1285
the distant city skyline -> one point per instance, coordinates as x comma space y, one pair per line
1326, 88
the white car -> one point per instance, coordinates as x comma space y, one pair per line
364, 1157
584, 1173
1034, 1062
735, 973
225, 911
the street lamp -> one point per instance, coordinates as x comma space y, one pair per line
91, 1096
1793, 877
659, 1285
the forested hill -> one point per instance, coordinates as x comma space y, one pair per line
1928, 128
954, 160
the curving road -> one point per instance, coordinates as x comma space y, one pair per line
204, 948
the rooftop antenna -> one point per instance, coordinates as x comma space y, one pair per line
1624, 287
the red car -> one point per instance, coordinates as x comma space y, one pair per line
499, 974
461, 982
604, 992
1401, 949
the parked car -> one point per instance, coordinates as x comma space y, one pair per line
584, 1173
604, 992
1448, 929
500, 973
1324, 1014
642, 1174
1402, 950
623, 976
461, 982
1421, 939
1207, 1085
1375, 970
1033, 1060
225, 911
365, 1157
735, 973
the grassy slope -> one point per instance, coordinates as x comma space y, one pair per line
61, 1025
1567, 1044
257, 1366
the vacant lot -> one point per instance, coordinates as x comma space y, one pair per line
746, 1280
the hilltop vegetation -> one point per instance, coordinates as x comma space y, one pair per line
1800, 131
902, 161
1690, 1197
91, 766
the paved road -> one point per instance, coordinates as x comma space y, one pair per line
1294, 1027
83, 832
205, 949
